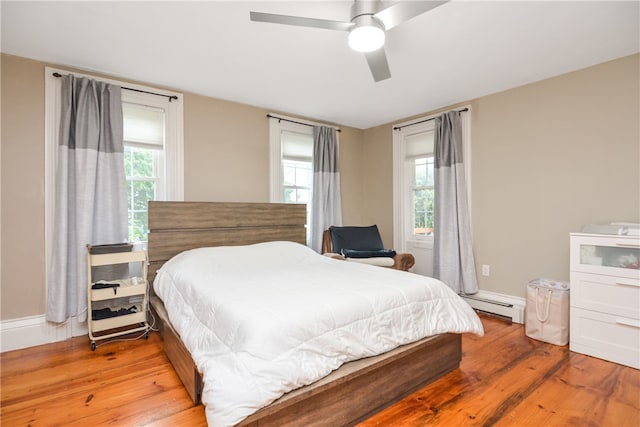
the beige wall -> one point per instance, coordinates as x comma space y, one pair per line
226, 151
549, 158
377, 183
22, 289
226, 159
546, 158
351, 170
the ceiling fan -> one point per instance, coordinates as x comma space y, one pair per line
369, 21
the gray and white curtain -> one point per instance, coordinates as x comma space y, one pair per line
90, 190
325, 200
453, 261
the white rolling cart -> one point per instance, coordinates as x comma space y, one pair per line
116, 307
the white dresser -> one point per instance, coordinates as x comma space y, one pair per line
605, 297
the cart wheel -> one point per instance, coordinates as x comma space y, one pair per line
146, 335
93, 346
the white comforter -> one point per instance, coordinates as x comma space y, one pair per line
264, 319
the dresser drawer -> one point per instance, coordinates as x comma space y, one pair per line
606, 294
609, 255
605, 336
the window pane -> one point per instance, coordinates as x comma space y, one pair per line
142, 162
302, 195
423, 172
290, 195
419, 211
297, 180
423, 211
420, 172
143, 191
138, 228
141, 188
130, 222
139, 193
289, 172
302, 177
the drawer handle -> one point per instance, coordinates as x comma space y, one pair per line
623, 282
626, 322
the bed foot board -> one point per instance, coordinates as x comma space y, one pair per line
363, 390
348, 395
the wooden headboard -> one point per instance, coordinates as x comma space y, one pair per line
175, 227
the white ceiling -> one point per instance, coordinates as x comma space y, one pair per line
453, 53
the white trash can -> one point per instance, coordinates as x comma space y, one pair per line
547, 311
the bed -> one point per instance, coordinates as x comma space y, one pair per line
348, 393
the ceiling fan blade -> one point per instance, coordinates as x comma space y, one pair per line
398, 13
378, 64
300, 21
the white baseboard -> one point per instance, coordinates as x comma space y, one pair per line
500, 304
36, 330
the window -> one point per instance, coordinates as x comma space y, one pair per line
291, 164
144, 141
153, 133
297, 174
418, 196
422, 189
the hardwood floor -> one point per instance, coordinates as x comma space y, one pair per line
505, 379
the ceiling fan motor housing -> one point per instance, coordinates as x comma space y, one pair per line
367, 33
366, 8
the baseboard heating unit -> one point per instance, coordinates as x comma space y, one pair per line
505, 306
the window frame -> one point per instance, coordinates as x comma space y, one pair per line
402, 210
169, 185
276, 170
403, 188
414, 187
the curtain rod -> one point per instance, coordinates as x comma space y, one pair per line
293, 121
425, 120
171, 97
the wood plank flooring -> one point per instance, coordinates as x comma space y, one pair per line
505, 379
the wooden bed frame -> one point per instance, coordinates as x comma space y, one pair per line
348, 395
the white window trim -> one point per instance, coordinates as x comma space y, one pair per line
401, 180
169, 190
174, 151
276, 127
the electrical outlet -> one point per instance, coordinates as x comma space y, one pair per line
486, 270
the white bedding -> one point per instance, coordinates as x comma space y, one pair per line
264, 319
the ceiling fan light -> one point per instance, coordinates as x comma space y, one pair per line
366, 38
